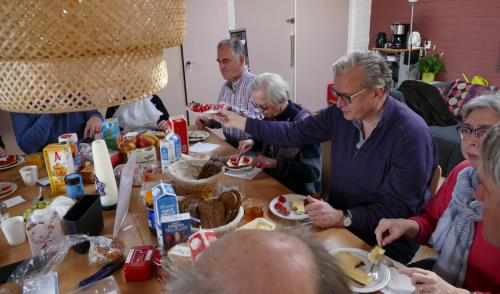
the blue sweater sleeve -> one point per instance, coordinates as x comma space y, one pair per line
32, 131
405, 189
311, 130
90, 113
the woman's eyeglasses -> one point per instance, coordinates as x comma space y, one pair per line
347, 99
464, 131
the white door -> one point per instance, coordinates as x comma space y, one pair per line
322, 27
268, 35
207, 24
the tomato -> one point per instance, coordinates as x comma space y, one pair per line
246, 159
282, 199
277, 205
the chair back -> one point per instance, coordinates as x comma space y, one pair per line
433, 187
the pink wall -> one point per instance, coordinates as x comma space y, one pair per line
468, 32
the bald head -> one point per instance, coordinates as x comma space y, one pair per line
254, 261
249, 260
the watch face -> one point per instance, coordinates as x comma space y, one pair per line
347, 221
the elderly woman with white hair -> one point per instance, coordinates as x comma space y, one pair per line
452, 220
298, 168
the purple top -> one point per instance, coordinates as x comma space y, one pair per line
387, 177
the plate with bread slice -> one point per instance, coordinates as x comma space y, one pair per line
289, 206
234, 163
356, 264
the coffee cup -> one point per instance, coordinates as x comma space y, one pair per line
14, 230
29, 174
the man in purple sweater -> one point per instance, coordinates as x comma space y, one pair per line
382, 153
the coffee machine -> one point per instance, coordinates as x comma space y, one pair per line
399, 35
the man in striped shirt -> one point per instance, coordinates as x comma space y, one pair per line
235, 93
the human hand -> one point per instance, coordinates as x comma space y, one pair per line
323, 214
429, 282
162, 125
245, 145
231, 120
93, 127
389, 230
264, 162
202, 121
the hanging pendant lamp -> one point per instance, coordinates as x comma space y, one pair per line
75, 55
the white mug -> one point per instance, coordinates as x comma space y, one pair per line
29, 174
14, 230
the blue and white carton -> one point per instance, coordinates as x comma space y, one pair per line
176, 229
165, 204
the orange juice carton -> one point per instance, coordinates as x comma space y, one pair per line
59, 163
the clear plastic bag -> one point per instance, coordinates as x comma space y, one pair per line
102, 250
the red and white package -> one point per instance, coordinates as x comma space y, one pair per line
200, 241
178, 124
139, 264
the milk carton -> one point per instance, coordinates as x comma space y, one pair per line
170, 151
165, 204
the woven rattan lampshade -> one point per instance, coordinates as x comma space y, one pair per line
75, 55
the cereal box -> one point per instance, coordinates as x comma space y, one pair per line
175, 229
59, 163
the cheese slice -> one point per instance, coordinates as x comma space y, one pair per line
376, 254
298, 206
348, 263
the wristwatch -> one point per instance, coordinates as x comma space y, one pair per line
347, 218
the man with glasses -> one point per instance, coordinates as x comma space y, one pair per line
382, 153
235, 92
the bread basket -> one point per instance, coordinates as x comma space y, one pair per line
185, 172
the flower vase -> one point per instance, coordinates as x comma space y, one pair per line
428, 77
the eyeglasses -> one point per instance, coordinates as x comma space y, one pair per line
347, 99
464, 131
262, 107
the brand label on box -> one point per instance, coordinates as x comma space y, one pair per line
165, 204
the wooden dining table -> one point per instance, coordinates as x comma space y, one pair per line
75, 267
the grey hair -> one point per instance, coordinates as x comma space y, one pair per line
235, 44
276, 87
490, 153
331, 279
489, 101
376, 71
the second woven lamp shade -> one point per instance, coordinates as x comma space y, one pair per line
75, 55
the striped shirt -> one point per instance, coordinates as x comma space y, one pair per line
238, 96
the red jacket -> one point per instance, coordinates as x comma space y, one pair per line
483, 270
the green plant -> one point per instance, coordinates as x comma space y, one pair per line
432, 63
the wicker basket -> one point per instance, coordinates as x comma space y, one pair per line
82, 83
74, 55
185, 172
46, 29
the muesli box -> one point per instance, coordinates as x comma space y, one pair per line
59, 163
176, 229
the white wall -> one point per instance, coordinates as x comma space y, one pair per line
321, 39
359, 24
173, 94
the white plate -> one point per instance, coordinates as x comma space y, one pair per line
384, 274
4, 184
288, 204
196, 136
249, 166
19, 160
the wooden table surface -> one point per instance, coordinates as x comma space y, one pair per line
75, 266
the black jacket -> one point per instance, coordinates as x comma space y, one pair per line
426, 100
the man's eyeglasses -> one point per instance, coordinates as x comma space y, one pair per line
464, 131
347, 99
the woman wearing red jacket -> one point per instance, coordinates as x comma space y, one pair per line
451, 222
